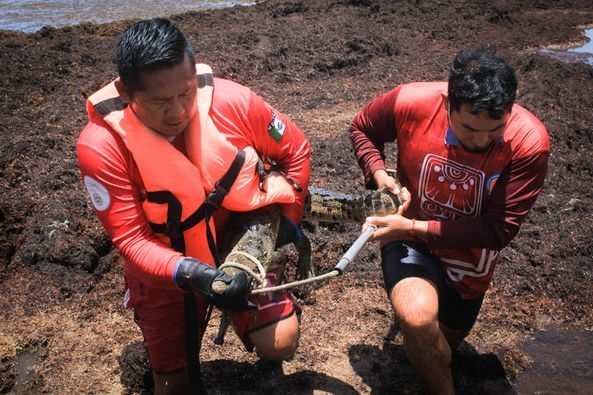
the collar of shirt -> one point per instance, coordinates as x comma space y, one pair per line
452, 140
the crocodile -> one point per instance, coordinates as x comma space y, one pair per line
250, 244
251, 241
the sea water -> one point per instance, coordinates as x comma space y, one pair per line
582, 53
588, 47
562, 363
29, 16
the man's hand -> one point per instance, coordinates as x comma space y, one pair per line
389, 226
386, 179
233, 297
193, 274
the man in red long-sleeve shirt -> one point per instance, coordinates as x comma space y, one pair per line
158, 141
472, 163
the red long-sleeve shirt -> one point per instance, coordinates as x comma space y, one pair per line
474, 202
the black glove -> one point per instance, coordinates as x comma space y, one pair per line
288, 232
193, 274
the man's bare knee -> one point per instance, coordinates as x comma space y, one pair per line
279, 341
415, 302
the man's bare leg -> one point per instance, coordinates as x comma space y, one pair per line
279, 341
454, 336
415, 302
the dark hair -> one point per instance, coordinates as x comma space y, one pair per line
484, 81
149, 45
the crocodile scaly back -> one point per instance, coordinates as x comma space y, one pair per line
328, 206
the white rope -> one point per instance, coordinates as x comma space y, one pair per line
262, 270
338, 269
261, 278
333, 273
253, 259
246, 269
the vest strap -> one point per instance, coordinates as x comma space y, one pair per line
108, 105
223, 186
174, 227
205, 79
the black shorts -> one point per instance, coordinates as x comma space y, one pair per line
403, 259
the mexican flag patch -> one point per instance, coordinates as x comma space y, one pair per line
276, 128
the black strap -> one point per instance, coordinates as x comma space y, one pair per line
108, 105
215, 198
223, 186
174, 228
193, 344
205, 79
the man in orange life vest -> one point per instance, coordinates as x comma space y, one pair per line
165, 146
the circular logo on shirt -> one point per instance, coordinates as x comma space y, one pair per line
98, 193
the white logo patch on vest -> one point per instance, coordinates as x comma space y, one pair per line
276, 128
98, 193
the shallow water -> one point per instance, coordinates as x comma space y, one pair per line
588, 47
583, 53
29, 16
26, 365
562, 364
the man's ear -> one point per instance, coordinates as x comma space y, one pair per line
123, 92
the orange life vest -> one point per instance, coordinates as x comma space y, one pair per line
212, 153
173, 184
178, 186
